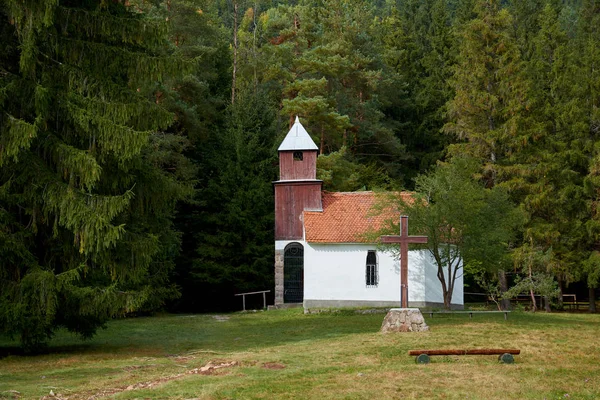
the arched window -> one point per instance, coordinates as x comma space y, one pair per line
372, 276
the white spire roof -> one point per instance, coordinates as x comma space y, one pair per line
297, 139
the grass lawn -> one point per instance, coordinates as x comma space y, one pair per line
285, 354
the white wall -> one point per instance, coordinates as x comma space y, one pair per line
280, 244
336, 272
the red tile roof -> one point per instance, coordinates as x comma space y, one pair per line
348, 217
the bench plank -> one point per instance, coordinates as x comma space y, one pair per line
467, 312
458, 352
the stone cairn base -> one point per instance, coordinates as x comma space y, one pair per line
404, 320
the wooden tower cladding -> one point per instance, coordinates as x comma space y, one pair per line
297, 188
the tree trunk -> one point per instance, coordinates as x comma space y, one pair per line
592, 300
505, 303
446, 292
254, 28
440, 275
235, 51
560, 296
533, 302
531, 291
547, 304
322, 149
452, 268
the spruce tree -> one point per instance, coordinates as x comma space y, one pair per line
549, 182
489, 105
234, 245
489, 109
87, 180
587, 91
426, 50
198, 100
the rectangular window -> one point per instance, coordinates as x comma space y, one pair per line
372, 278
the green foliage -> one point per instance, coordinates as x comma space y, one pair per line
465, 223
198, 99
339, 173
88, 180
420, 47
111, 111
538, 283
591, 266
234, 248
320, 61
549, 181
491, 287
522, 108
490, 104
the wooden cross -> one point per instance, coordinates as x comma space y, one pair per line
403, 240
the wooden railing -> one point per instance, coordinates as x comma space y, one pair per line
264, 293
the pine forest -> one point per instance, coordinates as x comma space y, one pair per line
138, 140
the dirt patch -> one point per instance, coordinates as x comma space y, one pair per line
211, 368
54, 396
10, 394
273, 365
221, 318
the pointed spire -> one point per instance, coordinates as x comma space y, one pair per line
297, 139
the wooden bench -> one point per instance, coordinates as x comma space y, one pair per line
576, 304
467, 312
504, 355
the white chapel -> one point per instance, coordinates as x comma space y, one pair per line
323, 257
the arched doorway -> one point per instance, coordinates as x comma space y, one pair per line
293, 273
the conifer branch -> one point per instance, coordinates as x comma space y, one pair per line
102, 26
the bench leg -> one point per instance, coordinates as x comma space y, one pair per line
422, 359
506, 358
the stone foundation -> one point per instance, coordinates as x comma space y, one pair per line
404, 320
279, 277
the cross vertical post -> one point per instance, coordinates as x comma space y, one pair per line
404, 261
403, 240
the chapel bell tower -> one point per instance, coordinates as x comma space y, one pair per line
297, 190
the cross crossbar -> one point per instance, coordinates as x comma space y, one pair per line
403, 240
392, 239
